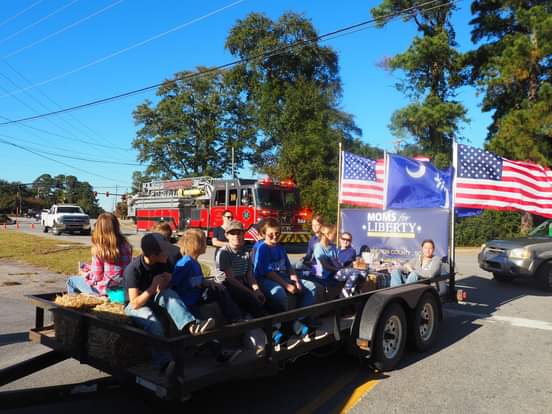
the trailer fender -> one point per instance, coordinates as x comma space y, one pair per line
406, 295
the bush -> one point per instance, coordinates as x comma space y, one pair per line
474, 231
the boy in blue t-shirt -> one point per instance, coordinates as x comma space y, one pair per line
279, 282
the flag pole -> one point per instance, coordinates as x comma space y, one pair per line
452, 260
339, 178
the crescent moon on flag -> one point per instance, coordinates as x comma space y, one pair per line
416, 174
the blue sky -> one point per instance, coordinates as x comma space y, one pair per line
60, 53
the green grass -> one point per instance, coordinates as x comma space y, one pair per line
55, 255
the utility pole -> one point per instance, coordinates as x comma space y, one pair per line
233, 176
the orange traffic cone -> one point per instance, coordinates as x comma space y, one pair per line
17, 225
32, 226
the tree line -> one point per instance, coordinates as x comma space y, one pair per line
44, 191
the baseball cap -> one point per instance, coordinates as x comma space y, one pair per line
234, 225
153, 244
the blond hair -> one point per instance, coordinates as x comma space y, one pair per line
164, 229
107, 238
328, 231
192, 242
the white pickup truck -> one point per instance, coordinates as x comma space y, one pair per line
66, 218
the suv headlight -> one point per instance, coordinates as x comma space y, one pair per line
482, 247
521, 253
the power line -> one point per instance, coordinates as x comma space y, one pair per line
37, 100
124, 50
113, 162
25, 10
9, 121
63, 29
274, 52
37, 22
60, 162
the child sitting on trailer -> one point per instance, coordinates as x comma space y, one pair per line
283, 289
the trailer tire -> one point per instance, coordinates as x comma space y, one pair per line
390, 338
424, 323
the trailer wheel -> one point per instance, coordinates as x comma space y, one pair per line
390, 338
424, 324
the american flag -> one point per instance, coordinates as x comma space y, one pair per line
254, 233
485, 180
362, 181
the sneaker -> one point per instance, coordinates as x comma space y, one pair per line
200, 327
292, 342
345, 293
280, 340
228, 355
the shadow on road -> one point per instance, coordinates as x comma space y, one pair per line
13, 338
484, 297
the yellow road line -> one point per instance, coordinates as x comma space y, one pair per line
328, 393
358, 393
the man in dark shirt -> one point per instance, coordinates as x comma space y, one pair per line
147, 279
219, 233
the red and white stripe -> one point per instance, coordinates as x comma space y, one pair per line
524, 186
365, 193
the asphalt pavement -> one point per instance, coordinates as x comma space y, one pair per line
493, 356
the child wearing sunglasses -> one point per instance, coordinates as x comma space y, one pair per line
346, 254
283, 289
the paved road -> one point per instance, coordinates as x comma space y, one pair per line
493, 356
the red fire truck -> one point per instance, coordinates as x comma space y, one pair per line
199, 202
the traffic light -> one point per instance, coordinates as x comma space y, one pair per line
95, 194
124, 197
107, 193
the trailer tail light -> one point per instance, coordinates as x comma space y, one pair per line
363, 344
461, 295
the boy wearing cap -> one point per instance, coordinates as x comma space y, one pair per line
147, 279
235, 262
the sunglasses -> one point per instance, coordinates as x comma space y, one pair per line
228, 217
349, 240
273, 235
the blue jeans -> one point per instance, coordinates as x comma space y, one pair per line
77, 284
146, 318
281, 301
397, 278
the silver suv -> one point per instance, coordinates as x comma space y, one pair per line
529, 256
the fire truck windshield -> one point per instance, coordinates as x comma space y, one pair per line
277, 198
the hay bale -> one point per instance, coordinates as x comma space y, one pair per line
114, 348
80, 301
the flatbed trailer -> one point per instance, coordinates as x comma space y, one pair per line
375, 326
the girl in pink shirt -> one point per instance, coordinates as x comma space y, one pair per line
111, 253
